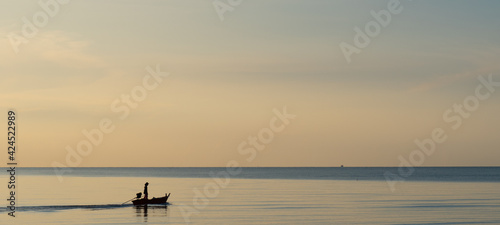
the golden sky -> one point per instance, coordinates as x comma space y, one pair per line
225, 78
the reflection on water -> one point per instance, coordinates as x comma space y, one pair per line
97, 200
151, 210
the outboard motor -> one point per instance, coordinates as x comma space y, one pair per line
138, 195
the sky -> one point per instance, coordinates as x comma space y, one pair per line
228, 77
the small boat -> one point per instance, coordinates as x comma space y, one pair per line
161, 200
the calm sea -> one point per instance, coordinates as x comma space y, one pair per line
430, 195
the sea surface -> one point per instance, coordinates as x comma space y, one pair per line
349, 195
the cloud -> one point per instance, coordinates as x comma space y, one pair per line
482, 63
51, 47
51, 60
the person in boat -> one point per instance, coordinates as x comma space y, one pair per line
146, 190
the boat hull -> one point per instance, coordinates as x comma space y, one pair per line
161, 200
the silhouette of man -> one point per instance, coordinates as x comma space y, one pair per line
146, 190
